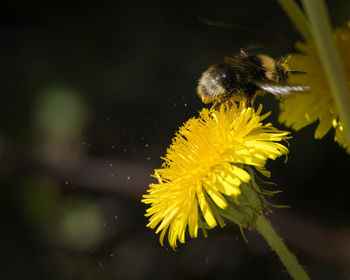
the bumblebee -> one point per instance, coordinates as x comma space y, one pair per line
243, 76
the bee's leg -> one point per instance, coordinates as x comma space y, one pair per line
249, 101
251, 94
215, 105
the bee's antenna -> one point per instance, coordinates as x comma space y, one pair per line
297, 72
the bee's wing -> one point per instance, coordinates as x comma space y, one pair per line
281, 90
239, 63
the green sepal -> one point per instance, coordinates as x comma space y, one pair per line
203, 226
231, 212
244, 209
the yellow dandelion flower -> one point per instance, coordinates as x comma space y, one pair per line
319, 103
207, 169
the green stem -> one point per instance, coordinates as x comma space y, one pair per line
297, 16
322, 33
276, 243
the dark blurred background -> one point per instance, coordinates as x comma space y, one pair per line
91, 95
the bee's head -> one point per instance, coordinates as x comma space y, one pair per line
283, 71
274, 71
